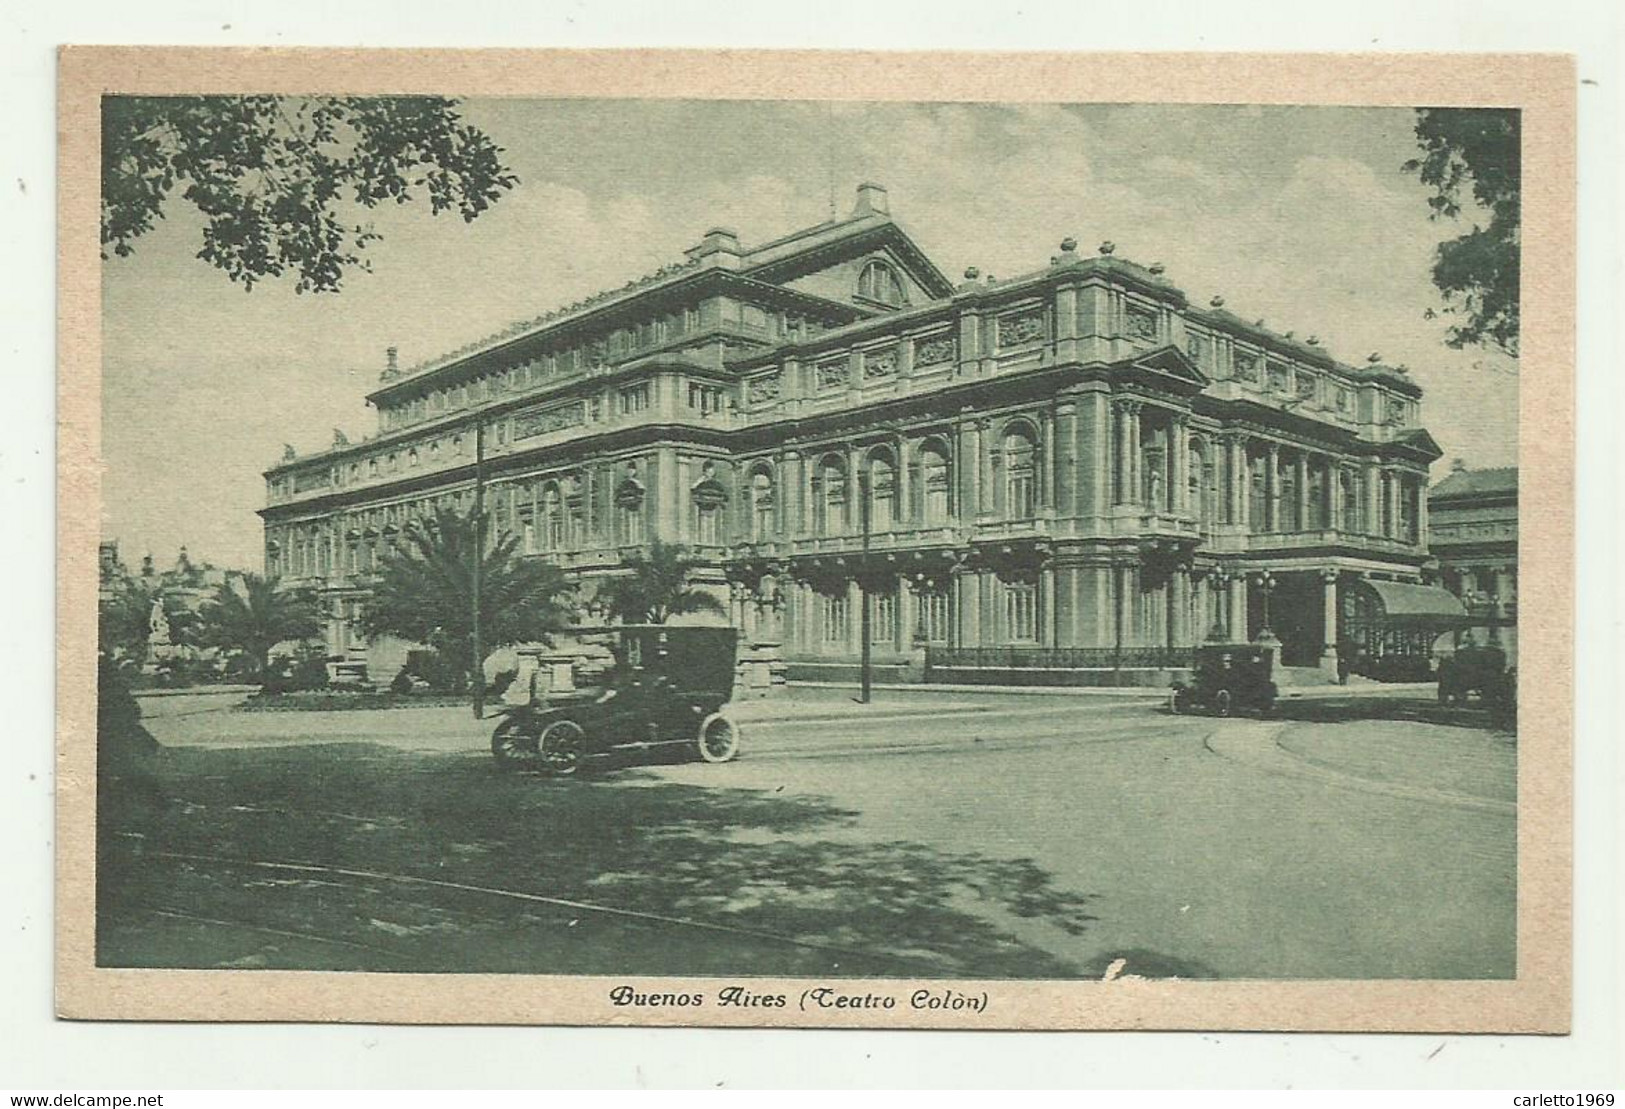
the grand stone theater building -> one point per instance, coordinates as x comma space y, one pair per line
1077, 468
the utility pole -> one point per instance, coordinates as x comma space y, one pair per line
479, 564
865, 631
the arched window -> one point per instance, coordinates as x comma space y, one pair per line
1258, 492
1353, 502
935, 484
761, 506
1409, 517
882, 491
879, 282
1287, 512
1319, 502
709, 496
829, 498
1020, 474
552, 517
1200, 471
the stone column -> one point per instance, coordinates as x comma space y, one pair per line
984, 467
1422, 511
1237, 620
1065, 462
1179, 592
902, 488
1121, 493
907, 612
966, 473
1303, 492
1328, 592
1390, 516
1334, 494
1046, 605
1136, 460
1044, 471
1095, 455
1179, 442
1373, 499
1272, 489
1236, 494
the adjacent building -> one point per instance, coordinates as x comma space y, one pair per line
1074, 467
1474, 536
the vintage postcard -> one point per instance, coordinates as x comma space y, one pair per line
844, 540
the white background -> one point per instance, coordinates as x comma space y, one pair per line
38, 1053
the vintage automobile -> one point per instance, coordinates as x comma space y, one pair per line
1479, 669
1226, 679
665, 691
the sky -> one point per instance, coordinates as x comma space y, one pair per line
1300, 216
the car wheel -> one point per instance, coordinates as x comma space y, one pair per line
511, 746
563, 745
718, 740
1222, 703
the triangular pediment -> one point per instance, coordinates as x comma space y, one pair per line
825, 251
1171, 363
1418, 440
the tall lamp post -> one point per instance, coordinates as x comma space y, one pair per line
865, 631
1266, 583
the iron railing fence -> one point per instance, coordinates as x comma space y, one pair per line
1058, 658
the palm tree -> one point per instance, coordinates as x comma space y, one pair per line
424, 592
252, 614
656, 588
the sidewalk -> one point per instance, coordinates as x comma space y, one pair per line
1374, 689
1330, 692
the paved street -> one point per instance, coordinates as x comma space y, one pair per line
960, 832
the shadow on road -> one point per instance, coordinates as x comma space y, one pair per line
1417, 710
491, 846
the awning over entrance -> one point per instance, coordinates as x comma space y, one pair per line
1403, 605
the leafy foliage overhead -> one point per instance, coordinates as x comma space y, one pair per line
271, 174
1478, 272
425, 591
655, 588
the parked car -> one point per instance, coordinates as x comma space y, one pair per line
1477, 669
666, 690
1227, 679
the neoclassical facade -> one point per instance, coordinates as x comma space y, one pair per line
1075, 466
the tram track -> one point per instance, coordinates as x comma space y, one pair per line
349, 877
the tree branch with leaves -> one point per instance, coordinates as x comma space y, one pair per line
272, 175
1476, 151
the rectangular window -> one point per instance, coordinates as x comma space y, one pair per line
631, 523
709, 525
634, 399
836, 621
1021, 611
704, 399
883, 617
934, 616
